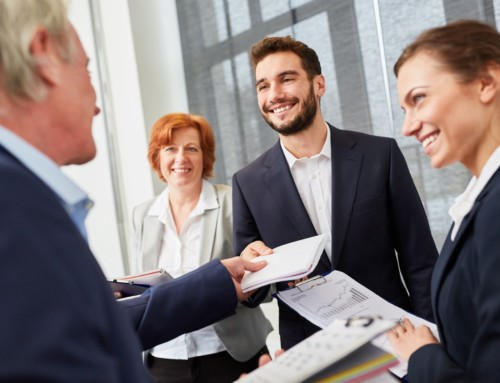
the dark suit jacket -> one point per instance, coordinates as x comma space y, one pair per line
466, 300
59, 321
376, 213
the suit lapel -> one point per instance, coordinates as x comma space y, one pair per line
346, 166
151, 242
279, 181
448, 253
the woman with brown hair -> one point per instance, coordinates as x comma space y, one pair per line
449, 89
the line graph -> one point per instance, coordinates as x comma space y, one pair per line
334, 300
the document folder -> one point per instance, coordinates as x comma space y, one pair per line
133, 285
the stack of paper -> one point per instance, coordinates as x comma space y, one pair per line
339, 353
289, 262
338, 296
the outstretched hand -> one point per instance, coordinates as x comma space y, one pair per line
255, 249
236, 267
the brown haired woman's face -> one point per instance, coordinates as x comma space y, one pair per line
181, 161
448, 117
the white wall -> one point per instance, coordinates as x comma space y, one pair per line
119, 177
140, 78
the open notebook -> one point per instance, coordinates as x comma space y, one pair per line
288, 262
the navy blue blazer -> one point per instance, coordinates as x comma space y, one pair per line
59, 321
466, 300
376, 213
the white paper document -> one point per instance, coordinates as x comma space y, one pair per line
339, 353
323, 299
292, 261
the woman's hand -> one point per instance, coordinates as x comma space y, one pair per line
406, 338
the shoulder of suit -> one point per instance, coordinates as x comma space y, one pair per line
17, 177
361, 141
223, 191
361, 135
260, 161
140, 210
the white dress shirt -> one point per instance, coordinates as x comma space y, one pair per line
313, 178
180, 254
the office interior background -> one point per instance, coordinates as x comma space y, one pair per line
152, 57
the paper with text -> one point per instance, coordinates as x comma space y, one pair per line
337, 296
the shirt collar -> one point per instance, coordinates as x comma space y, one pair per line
326, 151
43, 167
207, 201
464, 202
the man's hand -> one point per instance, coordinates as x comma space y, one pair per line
236, 267
255, 249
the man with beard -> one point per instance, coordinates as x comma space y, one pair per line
318, 179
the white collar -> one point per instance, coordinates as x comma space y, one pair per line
207, 201
464, 202
325, 151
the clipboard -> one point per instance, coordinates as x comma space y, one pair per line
311, 283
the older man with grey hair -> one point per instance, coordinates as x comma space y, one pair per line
60, 321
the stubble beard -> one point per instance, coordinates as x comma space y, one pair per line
301, 122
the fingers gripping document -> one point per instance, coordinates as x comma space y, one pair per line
292, 261
324, 299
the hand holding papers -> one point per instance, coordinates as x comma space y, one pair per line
288, 262
338, 353
337, 296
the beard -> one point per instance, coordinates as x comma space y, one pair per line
301, 122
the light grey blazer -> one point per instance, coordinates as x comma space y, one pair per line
243, 334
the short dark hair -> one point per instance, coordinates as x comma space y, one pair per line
269, 45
